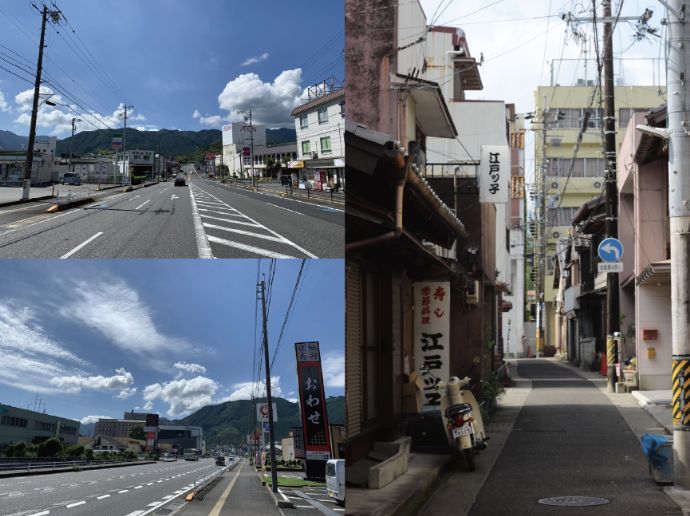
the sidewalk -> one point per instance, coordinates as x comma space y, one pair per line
294, 193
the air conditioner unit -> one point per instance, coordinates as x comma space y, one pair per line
596, 184
472, 294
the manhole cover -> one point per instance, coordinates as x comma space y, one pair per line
573, 501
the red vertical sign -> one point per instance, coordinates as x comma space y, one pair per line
312, 399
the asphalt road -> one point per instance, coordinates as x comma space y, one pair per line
203, 219
569, 440
126, 491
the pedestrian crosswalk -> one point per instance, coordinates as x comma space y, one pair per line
234, 234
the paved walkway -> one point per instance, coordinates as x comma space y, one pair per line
569, 440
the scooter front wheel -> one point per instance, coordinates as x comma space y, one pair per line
468, 454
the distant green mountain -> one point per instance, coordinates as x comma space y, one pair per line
232, 421
11, 141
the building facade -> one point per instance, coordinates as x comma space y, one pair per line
18, 424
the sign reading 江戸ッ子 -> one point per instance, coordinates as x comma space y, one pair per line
494, 174
432, 337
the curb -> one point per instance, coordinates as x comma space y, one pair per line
279, 499
41, 471
70, 204
23, 201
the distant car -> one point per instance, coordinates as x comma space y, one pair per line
231, 458
70, 178
180, 180
220, 461
167, 457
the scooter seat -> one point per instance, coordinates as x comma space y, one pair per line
459, 409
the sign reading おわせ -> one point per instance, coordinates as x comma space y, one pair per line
494, 174
432, 337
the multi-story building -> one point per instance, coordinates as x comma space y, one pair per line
237, 151
43, 170
18, 424
115, 427
570, 180
320, 126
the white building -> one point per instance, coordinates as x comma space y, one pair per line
238, 138
44, 169
320, 126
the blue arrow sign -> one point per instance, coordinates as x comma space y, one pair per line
610, 250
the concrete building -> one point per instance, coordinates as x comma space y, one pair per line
320, 127
18, 424
43, 170
101, 169
237, 151
570, 183
115, 427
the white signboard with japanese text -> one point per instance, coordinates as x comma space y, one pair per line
432, 337
494, 174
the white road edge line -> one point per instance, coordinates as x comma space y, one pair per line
75, 504
202, 243
143, 204
86, 242
283, 208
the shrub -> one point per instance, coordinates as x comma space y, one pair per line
49, 448
88, 453
17, 449
76, 450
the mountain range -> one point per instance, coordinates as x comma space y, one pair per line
230, 422
168, 142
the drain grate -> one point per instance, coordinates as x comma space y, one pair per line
573, 501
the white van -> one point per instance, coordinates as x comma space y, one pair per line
335, 480
71, 178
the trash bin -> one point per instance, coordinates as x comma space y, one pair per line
659, 452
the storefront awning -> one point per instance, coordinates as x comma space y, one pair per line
296, 164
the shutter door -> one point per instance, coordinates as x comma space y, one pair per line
353, 349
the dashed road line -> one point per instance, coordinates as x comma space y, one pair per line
75, 504
102, 497
83, 244
143, 204
284, 208
42, 513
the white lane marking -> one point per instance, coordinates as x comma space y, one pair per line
154, 504
149, 483
123, 491
231, 221
283, 208
42, 513
202, 243
75, 504
249, 248
136, 196
223, 211
84, 243
102, 497
138, 487
167, 497
173, 197
246, 233
285, 240
39, 222
135, 513
143, 204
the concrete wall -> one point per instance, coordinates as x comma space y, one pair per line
653, 307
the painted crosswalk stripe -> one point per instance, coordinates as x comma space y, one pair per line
246, 233
248, 248
231, 221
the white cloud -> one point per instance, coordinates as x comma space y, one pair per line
120, 381
30, 357
148, 405
196, 114
4, 106
256, 59
115, 310
247, 390
87, 420
271, 103
211, 120
333, 367
183, 395
126, 393
189, 367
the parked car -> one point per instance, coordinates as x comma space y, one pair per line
180, 180
71, 178
335, 480
167, 457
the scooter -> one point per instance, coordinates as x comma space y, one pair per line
464, 426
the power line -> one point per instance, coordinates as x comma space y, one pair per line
288, 311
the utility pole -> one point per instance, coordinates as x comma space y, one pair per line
679, 213
124, 144
611, 192
271, 434
541, 233
74, 128
29, 162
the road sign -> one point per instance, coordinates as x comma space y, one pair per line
267, 427
610, 267
610, 250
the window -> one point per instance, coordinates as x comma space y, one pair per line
573, 118
581, 167
303, 124
14, 421
305, 148
323, 115
560, 217
625, 114
45, 427
326, 145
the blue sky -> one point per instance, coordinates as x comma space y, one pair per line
182, 64
97, 338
